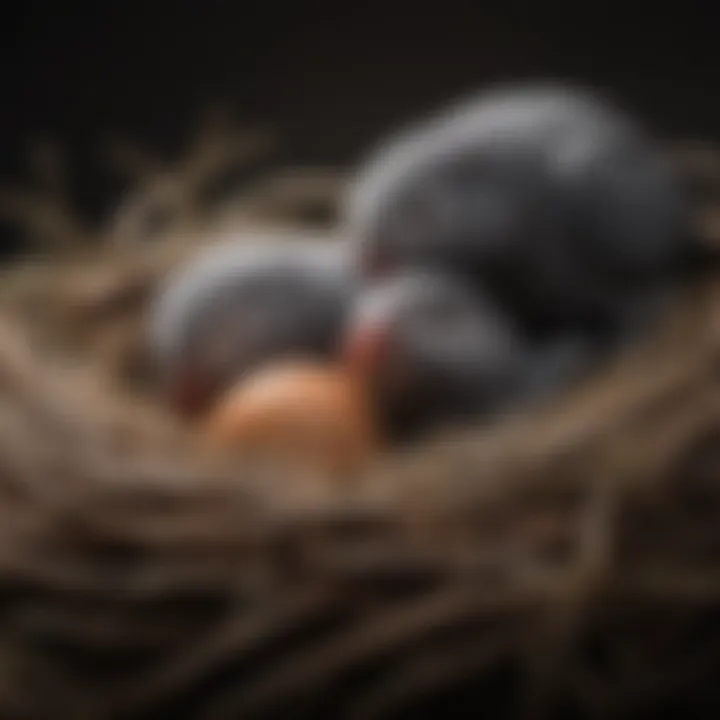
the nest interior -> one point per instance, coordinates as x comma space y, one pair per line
565, 563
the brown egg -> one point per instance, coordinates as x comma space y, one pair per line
314, 416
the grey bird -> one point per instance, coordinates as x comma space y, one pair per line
238, 305
433, 351
551, 197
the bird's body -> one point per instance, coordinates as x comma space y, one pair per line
432, 351
551, 199
239, 305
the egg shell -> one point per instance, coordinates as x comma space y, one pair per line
312, 415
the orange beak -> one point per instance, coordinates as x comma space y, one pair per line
188, 394
365, 351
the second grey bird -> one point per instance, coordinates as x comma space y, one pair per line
431, 350
549, 195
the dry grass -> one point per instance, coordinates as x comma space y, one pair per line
565, 561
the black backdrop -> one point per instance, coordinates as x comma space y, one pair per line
330, 76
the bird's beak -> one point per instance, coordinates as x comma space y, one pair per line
188, 395
365, 350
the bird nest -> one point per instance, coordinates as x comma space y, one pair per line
560, 563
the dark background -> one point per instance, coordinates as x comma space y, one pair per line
331, 77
